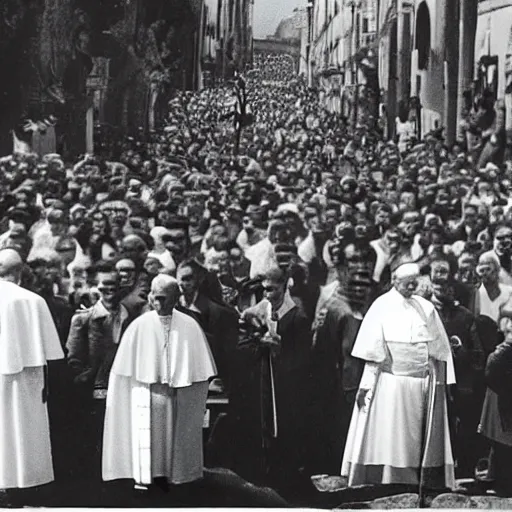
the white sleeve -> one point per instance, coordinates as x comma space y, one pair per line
370, 375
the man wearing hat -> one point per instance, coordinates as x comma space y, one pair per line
399, 430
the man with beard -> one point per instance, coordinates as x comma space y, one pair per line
336, 374
92, 345
469, 362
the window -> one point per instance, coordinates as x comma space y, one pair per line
423, 35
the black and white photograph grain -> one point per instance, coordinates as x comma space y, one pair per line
256, 254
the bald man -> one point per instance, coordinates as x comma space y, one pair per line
399, 429
157, 395
28, 340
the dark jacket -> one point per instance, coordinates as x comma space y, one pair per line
498, 374
469, 360
220, 325
252, 403
335, 376
62, 313
91, 345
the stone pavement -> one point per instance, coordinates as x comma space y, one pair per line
223, 488
333, 493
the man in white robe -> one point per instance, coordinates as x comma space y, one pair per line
28, 340
399, 429
157, 395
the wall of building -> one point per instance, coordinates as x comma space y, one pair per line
429, 84
493, 36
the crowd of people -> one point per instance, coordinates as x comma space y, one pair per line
274, 67
288, 241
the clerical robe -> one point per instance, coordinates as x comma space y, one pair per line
28, 339
157, 400
335, 375
401, 434
270, 397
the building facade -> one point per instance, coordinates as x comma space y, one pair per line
432, 55
343, 33
227, 36
493, 53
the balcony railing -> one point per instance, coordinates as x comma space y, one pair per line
368, 38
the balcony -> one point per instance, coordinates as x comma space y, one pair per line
367, 38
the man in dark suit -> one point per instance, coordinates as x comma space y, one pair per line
469, 361
92, 345
274, 415
202, 298
336, 374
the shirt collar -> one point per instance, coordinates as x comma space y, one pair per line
100, 311
287, 305
183, 301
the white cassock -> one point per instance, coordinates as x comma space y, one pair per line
28, 339
156, 401
401, 435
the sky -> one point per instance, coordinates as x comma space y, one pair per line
268, 14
